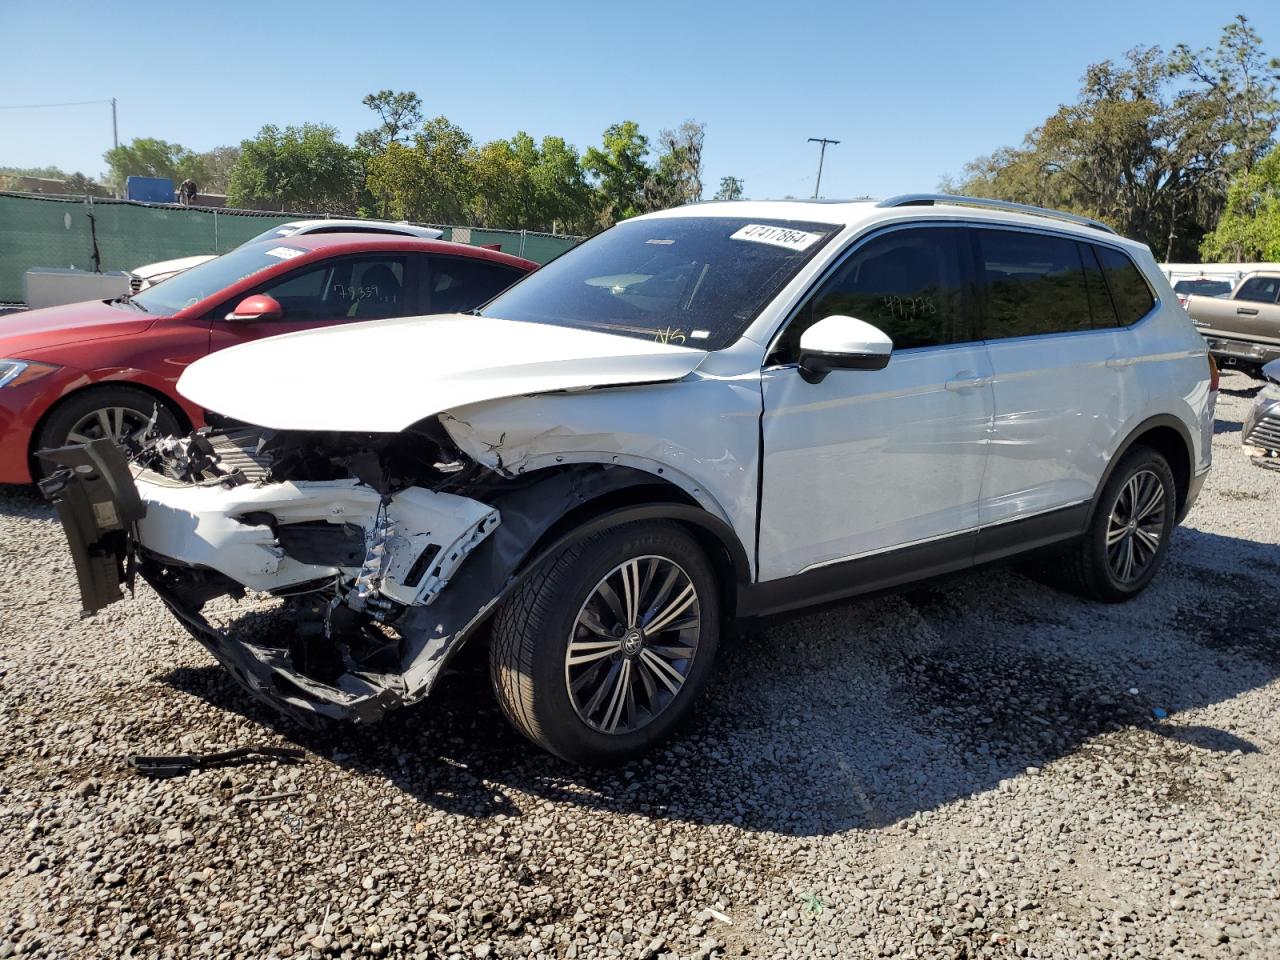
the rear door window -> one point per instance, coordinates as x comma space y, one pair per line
1259, 289
458, 284
1033, 284
1129, 291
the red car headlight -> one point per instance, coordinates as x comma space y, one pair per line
14, 373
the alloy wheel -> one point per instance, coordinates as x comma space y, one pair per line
1135, 526
118, 423
632, 645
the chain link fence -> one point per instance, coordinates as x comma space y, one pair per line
91, 233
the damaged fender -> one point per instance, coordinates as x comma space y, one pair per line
381, 581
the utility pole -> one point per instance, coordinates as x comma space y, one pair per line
115, 133
821, 156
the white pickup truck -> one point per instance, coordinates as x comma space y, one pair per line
1243, 330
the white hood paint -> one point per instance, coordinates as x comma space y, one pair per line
381, 376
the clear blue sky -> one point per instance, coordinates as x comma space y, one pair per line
912, 89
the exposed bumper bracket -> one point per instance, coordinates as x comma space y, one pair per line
97, 503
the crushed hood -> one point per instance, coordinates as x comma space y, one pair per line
382, 376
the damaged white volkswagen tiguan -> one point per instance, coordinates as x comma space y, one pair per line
697, 417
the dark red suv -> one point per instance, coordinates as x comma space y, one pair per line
75, 373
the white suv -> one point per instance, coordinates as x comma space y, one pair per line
697, 417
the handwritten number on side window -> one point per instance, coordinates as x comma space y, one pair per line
909, 308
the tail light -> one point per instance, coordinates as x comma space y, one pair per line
1213, 372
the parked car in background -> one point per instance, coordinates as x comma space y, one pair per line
103, 368
698, 416
1262, 424
1243, 330
1201, 286
142, 277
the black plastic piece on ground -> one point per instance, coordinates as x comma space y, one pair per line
180, 764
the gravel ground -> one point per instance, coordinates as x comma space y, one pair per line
977, 767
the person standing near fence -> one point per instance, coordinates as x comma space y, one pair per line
187, 191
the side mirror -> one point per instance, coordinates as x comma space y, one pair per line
842, 343
257, 307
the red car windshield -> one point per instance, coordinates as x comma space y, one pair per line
192, 286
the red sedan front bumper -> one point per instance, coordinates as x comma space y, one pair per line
21, 408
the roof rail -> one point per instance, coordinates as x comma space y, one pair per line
929, 199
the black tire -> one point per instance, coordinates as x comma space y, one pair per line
67, 415
533, 628
1091, 570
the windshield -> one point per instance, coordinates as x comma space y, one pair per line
192, 286
692, 281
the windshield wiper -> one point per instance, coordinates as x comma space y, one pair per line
127, 298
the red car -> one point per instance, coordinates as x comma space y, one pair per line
74, 373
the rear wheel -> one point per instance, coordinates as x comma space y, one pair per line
118, 412
1129, 535
603, 649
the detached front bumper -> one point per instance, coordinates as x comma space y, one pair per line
1262, 422
351, 564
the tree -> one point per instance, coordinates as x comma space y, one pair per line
677, 178
304, 168
1249, 228
620, 172
218, 164
730, 189
398, 114
427, 181
149, 157
11, 178
80, 184
501, 190
519, 184
1239, 81
1150, 144
562, 196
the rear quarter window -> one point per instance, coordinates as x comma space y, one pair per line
1129, 290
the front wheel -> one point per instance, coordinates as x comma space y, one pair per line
118, 412
602, 650
1129, 535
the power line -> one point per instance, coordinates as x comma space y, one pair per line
42, 106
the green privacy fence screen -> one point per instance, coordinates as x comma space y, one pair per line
62, 232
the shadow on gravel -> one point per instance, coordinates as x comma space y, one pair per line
1236, 384
23, 501
862, 714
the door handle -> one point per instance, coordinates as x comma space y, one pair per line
966, 381
1119, 363
1247, 311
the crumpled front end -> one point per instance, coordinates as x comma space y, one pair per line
311, 565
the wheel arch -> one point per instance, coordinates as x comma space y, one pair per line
1169, 437
651, 498
184, 421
